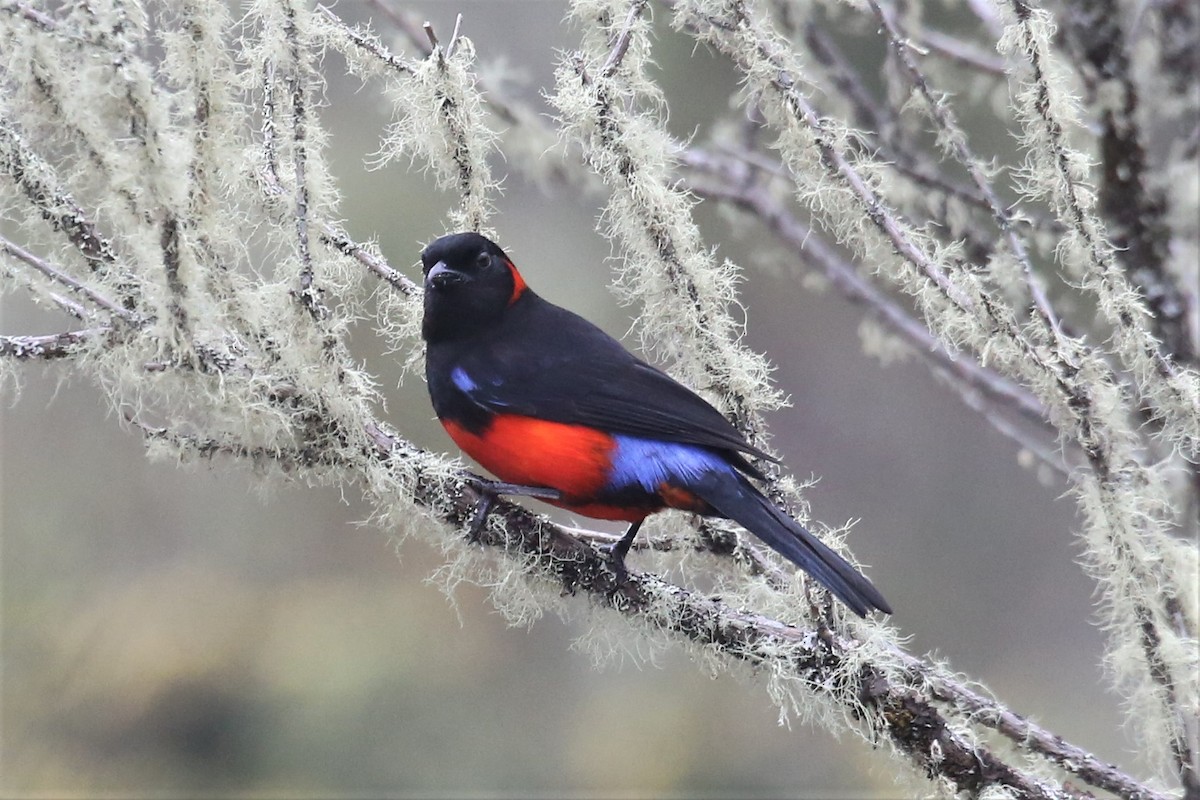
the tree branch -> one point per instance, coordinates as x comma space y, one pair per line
821, 659
50, 347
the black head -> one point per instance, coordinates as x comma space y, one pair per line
469, 282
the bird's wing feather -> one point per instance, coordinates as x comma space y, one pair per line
736, 499
579, 375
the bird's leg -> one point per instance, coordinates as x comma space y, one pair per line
489, 493
618, 550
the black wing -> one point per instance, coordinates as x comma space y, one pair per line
552, 364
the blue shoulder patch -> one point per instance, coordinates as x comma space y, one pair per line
648, 463
463, 381
480, 396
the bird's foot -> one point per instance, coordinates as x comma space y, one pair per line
617, 551
490, 491
616, 560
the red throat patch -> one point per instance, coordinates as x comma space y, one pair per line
519, 286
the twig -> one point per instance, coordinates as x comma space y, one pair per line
1120, 525
944, 116
624, 37
962, 53
762, 48
453, 36
268, 130
57, 275
1135, 209
309, 294
434, 45
1026, 735
41, 186
609, 153
985, 12
337, 238
341, 242
68, 305
977, 708
366, 43
515, 114
39, 18
736, 185
288, 459
37, 288
1176, 402
50, 347
905, 701
170, 244
406, 22
1146, 607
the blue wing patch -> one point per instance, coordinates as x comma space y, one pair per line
649, 463
478, 395
463, 381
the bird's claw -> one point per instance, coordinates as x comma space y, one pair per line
486, 501
490, 491
496, 488
617, 551
615, 555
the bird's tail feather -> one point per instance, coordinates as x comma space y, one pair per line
733, 497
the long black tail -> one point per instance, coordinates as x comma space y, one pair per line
732, 496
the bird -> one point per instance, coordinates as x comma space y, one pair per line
557, 409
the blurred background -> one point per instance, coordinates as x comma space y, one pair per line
185, 632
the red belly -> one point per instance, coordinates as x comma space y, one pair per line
573, 459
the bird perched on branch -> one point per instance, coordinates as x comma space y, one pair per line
558, 409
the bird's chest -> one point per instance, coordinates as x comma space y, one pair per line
574, 459
516, 447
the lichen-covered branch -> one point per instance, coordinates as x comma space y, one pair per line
49, 347
1085, 399
439, 110
1045, 112
163, 183
726, 179
683, 295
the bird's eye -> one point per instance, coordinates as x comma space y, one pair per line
483, 259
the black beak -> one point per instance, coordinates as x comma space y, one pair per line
441, 277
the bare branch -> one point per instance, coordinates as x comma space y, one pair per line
458, 18
624, 37
40, 18
962, 53
338, 240
406, 22
434, 44
59, 276
366, 43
